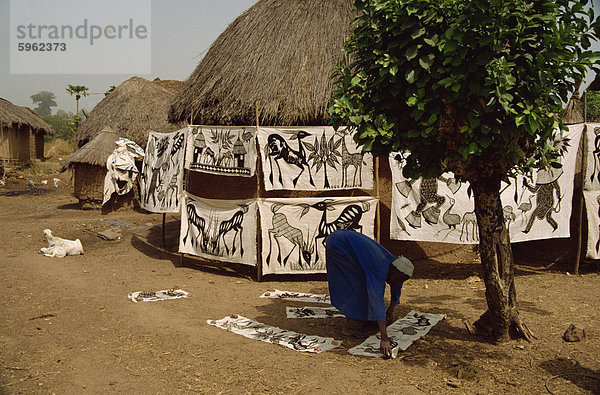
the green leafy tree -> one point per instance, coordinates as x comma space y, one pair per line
472, 87
43, 101
593, 106
64, 127
78, 91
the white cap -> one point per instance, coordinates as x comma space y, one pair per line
404, 265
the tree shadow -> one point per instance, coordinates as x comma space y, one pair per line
564, 371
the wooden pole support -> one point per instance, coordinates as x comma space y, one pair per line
164, 220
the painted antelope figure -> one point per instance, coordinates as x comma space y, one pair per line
282, 228
199, 223
349, 219
232, 224
277, 148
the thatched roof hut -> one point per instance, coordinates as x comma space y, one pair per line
89, 170
278, 56
572, 113
22, 133
133, 108
95, 152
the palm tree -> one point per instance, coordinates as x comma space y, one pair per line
78, 91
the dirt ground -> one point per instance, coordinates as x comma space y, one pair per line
68, 327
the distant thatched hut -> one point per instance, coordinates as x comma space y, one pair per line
89, 169
21, 133
133, 108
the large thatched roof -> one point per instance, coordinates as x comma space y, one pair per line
11, 115
277, 55
95, 152
133, 108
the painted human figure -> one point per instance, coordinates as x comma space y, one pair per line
428, 193
545, 187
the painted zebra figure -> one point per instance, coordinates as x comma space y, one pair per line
200, 224
232, 224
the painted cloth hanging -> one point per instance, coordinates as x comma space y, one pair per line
592, 207
121, 170
591, 186
440, 210
294, 229
313, 158
224, 230
272, 334
591, 180
402, 334
222, 150
161, 181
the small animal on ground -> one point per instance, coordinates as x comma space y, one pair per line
58, 247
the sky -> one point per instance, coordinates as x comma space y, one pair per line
179, 34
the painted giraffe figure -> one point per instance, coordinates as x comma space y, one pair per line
199, 223
355, 160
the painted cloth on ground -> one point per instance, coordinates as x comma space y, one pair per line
357, 268
272, 334
402, 333
297, 296
312, 312
144, 296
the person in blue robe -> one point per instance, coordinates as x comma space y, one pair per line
358, 269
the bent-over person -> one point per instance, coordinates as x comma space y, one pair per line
358, 269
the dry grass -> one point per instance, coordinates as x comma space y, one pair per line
59, 149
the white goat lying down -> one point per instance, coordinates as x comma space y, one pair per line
59, 248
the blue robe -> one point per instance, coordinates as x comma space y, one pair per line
357, 267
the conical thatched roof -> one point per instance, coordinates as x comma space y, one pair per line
133, 108
277, 55
95, 152
11, 115
572, 113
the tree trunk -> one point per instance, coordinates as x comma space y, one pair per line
501, 321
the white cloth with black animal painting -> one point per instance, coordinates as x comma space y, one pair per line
223, 230
313, 158
294, 229
161, 178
